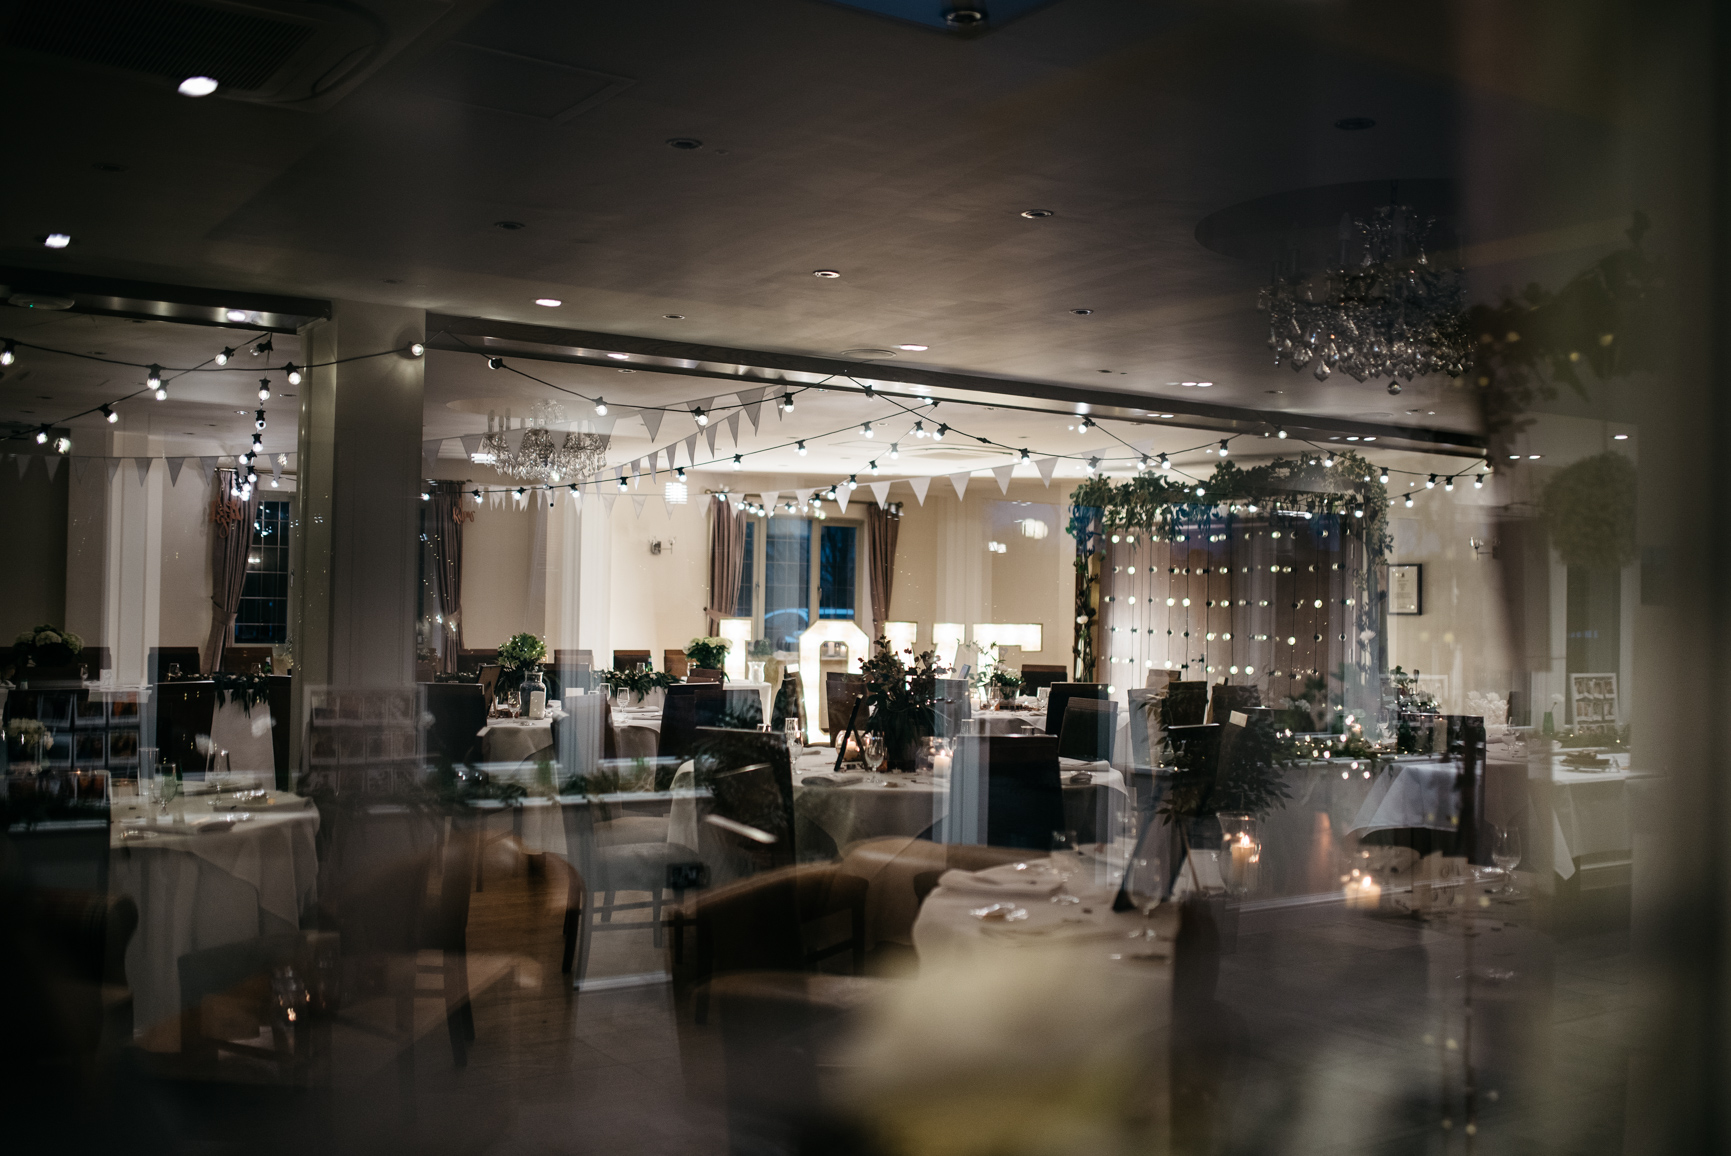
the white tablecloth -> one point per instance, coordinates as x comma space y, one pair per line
511, 740
196, 891
246, 737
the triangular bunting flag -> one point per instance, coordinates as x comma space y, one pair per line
143, 465
709, 432
691, 450
652, 421
53, 464
1002, 473
1046, 466
638, 500
80, 467
667, 507
960, 481
175, 465
733, 427
112, 463
752, 400
207, 466
471, 444
841, 496
514, 438
671, 451
607, 500
769, 498
882, 490
920, 485
23, 461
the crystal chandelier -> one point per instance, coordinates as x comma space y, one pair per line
1391, 314
540, 456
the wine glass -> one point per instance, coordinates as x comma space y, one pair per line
872, 748
1066, 861
1506, 854
795, 739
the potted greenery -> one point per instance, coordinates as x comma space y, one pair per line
901, 698
708, 653
518, 654
641, 682
46, 652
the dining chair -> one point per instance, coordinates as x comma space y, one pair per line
840, 691
744, 707
1186, 703
630, 659
687, 707
1227, 698
1036, 674
1090, 725
1005, 791
488, 678
459, 711
676, 663
1059, 698
1144, 725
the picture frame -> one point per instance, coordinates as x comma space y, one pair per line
89, 749
1406, 588
92, 712
123, 747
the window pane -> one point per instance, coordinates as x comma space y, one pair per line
747, 572
836, 574
786, 580
262, 617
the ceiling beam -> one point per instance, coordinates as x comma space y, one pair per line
148, 300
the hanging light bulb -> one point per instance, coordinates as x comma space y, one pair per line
738, 462
866, 429
1430, 482
1280, 433
1479, 482
830, 493
1409, 501
799, 448
600, 407
416, 349
1449, 485
1224, 448
264, 389
1328, 460
699, 416
495, 363
941, 431
622, 483
679, 473
263, 348
853, 481
1382, 476
520, 491
161, 393
222, 358
1093, 464
787, 401
873, 466
1143, 465
153, 378
895, 452
1165, 462
1358, 510
9, 353
257, 445
294, 375
42, 436
920, 429
258, 420
1026, 457
108, 414
251, 477
1085, 426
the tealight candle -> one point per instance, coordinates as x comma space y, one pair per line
1364, 893
1244, 856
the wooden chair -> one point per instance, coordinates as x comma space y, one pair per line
163, 657
1089, 726
630, 659
1059, 699
1035, 675
459, 711
1228, 698
687, 707
675, 662
840, 691
488, 680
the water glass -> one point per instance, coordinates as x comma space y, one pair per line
1066, 861
872, 750
795, 738
1506, 854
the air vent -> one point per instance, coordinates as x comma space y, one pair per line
165, 38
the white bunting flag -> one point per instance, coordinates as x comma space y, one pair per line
691, 450
960, 481
53, 464
607, 500
752, 400
920, 485
206, 466
733, 427
471, 444
652, 421
1002, 473
175, 465
143, 465
1046, 466
841, 497
638, 500
709, 432
769, 498
80, 466
654, 466
882, 490
113, 464
671, 451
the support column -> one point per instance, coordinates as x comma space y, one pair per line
577, 573
357, 501
132, 557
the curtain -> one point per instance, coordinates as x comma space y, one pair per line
882, 526
726, 561
230, 542
445, 536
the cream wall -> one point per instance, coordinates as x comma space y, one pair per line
658, 600
33, 526
186, 581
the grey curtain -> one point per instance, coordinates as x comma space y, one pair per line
230, 542
726, 561
445, 519
882, 527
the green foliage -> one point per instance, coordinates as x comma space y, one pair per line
1590, 509
709, 653
521, 650
1252, 781
642, 679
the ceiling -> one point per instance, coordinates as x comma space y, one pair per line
900, 156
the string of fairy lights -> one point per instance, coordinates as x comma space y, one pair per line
921, 407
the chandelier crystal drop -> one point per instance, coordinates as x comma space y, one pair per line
1390, 313
544, 455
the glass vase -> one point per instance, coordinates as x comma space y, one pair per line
1240, 852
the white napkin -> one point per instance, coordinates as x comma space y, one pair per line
1001, 882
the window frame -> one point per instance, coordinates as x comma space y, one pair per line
814, 571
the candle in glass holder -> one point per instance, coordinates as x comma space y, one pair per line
1363, 893
1244, 855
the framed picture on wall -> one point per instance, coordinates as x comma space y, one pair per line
1406, 588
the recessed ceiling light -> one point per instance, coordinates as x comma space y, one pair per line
1081, 312
509, 226
197, 86
549, 302
1354, 123
913, 348
1204, 384
685, 142
620, 356
57, 240
1035, 214
964, 17
826, 273
1619, 437
674, 316
235, 314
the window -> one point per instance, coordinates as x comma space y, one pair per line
838, 565
787, 580
781, 582
747, 573
262, 618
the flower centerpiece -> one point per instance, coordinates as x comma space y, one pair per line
708, 653
29, 738
44, 647
639, 680
518, 654
902, 699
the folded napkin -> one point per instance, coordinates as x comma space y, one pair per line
1000, 882
830, 781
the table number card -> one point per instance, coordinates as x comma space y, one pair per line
1406, 588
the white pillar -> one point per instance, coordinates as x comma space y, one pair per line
132, 563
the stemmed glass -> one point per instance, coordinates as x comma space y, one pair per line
795, 739
1066, 861
872, 748
1506, 854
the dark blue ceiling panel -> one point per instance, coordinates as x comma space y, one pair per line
950, 15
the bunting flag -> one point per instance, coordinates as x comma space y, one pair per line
920, 485
752, 400
176, 464
654, 458
23, 461
769, 498
1046, 466
471, 444
733, 427
960, 481
638, 500
691, 450
841, 496
607, 500
652, 421
882, 490
667, 508
143, 465
1002, 473
113, 465
207, 465
709, 432
671, 451
80, 467
53, 464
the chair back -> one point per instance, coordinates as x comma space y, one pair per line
1090, 724
630, 659
1035, 675
1024, 795
1144, 725
688, 706
459, 711
488, 679
789, 703
704, 674
749, 776
1186, 703
1059, 700
675, 662
840, 690
953, 708
744, 707
1228, 698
